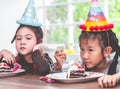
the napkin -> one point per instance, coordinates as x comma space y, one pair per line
16, 67
48, 80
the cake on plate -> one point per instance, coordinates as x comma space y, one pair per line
76, 71
4, 67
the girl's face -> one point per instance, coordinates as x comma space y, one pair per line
91, 53
25, 40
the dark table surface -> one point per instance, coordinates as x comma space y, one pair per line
31, 81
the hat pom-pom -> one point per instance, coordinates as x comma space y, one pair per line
111, 25
91, 28
101, 28
83, 27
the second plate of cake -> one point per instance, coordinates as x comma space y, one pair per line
62, 77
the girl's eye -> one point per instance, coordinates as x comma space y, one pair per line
28, 38
18, 38
90, 50
81, 49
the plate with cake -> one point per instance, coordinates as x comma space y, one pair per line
10, 70
75, 74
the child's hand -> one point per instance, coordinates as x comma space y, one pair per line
38, 47
60, 56
109, 80
8, 56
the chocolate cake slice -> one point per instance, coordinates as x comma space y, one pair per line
76, 71
4, 67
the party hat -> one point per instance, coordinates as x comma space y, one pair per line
30, 15
96, 20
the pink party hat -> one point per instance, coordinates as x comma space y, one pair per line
96, 20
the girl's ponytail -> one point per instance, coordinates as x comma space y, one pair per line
113, 66
116, 48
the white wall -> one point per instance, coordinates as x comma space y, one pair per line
10, 11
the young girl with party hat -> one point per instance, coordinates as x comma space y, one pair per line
99, 48
100, 53
28, 42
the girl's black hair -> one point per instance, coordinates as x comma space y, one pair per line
107, 38
37, 30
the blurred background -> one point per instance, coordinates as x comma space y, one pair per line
59, 18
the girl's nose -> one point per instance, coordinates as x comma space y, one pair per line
85, 55
22, 42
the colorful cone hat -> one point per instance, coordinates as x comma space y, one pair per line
30, 15
96, 20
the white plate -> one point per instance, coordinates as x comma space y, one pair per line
7, 74
61, 77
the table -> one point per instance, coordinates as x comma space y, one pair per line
31, 81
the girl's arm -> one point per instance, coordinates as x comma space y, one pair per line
0, 56
60, 57
7, 56
109, 80
42, 62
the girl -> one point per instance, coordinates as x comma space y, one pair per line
28, 42
100, 52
